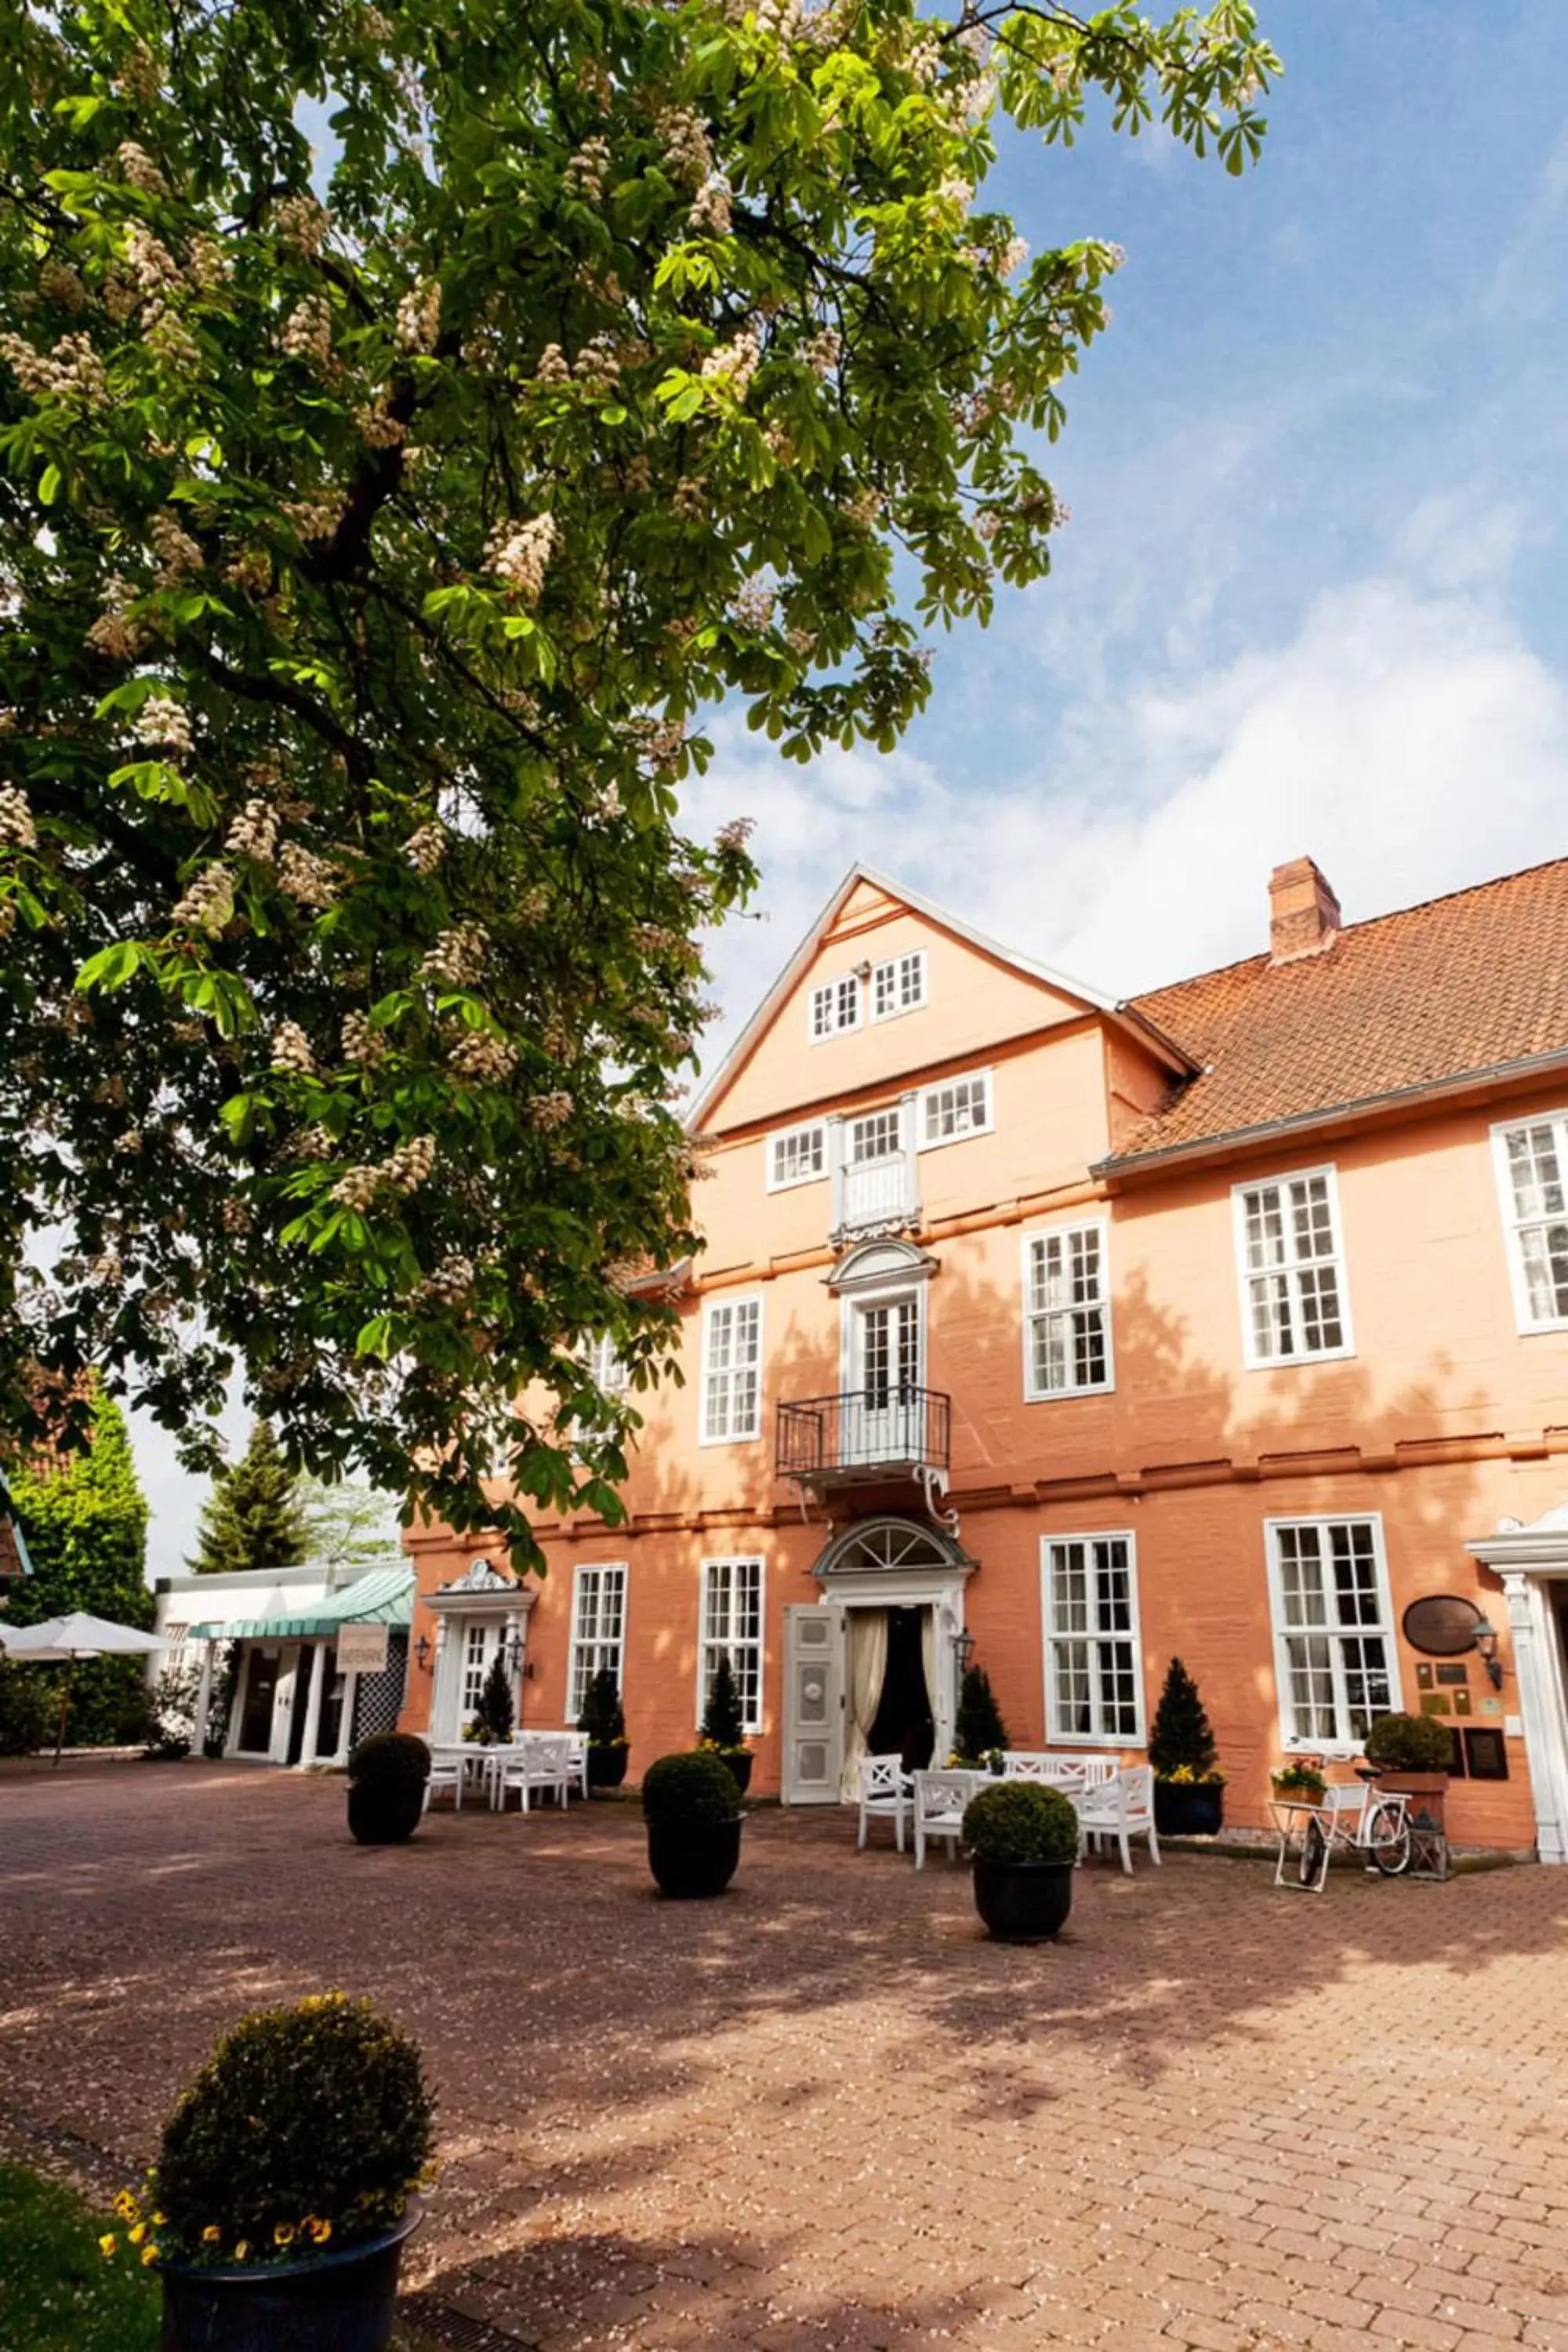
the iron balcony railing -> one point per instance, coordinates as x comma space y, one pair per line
863, 1430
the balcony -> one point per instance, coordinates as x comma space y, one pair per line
865, 1435
872, 1160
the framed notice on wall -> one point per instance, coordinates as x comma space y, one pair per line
362, 1649
1486, 1753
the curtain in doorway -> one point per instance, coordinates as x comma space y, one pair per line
868, 1668
928, 1662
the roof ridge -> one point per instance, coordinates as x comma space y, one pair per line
1366, 923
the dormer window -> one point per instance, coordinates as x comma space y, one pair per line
836, 1006
898, 985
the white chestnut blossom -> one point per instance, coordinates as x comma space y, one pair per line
254, 833
409, 1166
209, 901
163, 720
684, 138
308, 880
419, 318
519, 552
17, 827
291, 1050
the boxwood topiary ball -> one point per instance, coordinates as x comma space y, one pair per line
318, 2113
1020, 1822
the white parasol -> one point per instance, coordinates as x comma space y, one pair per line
61, 1641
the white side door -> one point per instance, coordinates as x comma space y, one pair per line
471, 1647
814, 1704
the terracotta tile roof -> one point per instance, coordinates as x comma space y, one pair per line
1433, 992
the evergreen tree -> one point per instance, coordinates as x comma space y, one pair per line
252, 1518
723, 1719
84, 1518
495, 1713
602, 1718
979, 1726
1180, 1735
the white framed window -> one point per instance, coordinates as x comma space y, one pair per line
1532, 1160
798, 1156
957, 1108
732, 1622
877, 1135
1294, 1300
477, 1648
1094, 1678
598, 1628
1067, 1311
835, 1006
731, 1370
1334, 1630
599, 1356
898, 985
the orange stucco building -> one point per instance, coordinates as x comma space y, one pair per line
1225, 1322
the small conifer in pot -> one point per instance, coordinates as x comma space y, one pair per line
1189, 1787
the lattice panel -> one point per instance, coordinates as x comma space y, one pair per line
378, 1702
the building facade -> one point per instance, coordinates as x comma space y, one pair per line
309, 1659
1076, 1333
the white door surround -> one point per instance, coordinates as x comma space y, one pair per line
898, 1563
487, 1602
1532, 1562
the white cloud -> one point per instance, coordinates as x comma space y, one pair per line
1411, 741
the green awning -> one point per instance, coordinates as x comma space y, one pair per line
384, 1597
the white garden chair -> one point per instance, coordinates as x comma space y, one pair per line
540, 1764
939, 1801
446, 1772
885, 1793
1121, 1809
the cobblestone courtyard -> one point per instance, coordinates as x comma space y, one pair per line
824, 2112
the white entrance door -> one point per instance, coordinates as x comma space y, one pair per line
814, 1704
470, 1648
885, 1378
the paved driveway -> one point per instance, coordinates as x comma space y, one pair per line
824, 2112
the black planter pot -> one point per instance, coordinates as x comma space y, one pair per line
1023, 1902
1189, 1808
737, 1762
343, 2301
384, 1816
696, 1859
607, 1766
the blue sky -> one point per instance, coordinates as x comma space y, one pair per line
1313, 596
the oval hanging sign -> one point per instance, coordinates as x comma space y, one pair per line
1443, 1625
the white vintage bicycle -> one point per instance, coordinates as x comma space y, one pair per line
1362, 1818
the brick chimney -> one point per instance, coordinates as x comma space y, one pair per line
1303, 912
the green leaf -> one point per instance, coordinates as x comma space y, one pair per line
112, 967
49, 482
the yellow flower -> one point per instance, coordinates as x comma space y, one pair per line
283, 2235
159, 2220
137, 2234
211, 2234
149, 2254
108, 2244
125, 2206
242, 2249
319, 2231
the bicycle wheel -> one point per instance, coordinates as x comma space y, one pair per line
1388, 1839
1313, 1859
